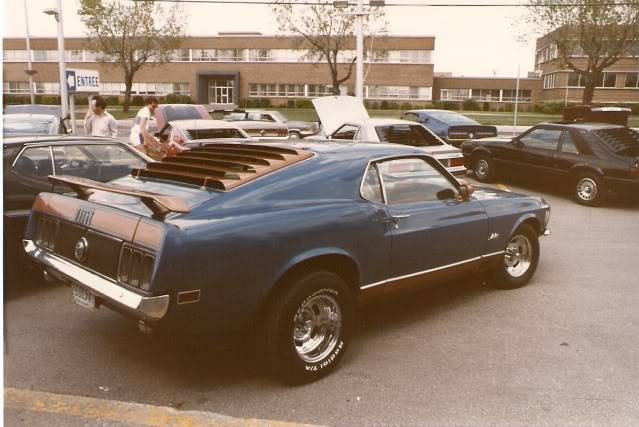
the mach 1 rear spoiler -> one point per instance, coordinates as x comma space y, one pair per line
160, 204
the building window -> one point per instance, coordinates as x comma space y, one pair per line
14, 55
510, 95
454, 94
74, 55
632, 80
260, 55
550, 80
15, 87
400, 92
607, 80
204, 55
45, 55
181, 55
51, 88
486, 95
576, 80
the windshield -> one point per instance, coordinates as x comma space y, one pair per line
26, 125
622, 141
183, 112
413, 135
279, 116
452, 118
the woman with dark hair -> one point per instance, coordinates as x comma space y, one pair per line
97, 121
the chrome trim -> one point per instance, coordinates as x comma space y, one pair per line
547, 232
17, 213
430, 270
144, 308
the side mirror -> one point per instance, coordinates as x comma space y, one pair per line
446, 194
465, 189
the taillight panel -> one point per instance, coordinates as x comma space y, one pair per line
136, 267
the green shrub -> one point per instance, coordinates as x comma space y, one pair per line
303, 103
470, 105
486, 106
81, 100
406, 106
137, 100
392, 105
290, 103
374, 105
50, 100
509, 107
552, 108
383, 105
172, 98
15, 99
447, 105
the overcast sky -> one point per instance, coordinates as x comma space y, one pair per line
469, 41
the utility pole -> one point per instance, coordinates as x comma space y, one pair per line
359, 67
29, 71
64, 94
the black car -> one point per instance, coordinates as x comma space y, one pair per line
28, 162
590, 159
452, 127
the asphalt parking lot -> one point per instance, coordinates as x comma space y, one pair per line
561, 351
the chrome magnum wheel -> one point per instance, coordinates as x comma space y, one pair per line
518, 255
589, 190
316, 328
307, 326
521, 256
483, 168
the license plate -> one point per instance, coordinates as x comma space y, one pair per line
83, 297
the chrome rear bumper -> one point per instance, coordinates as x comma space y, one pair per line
140, 307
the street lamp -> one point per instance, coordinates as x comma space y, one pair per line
359, 53
64, 95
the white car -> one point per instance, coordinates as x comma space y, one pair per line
344, 117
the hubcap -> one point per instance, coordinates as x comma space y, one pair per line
518, 257
316, 328
587, 189
481, 168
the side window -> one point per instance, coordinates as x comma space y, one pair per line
546, 139
413, 181
413, 135
267, 117
97, 162
34, 162
567, 144
346, 132
371, 187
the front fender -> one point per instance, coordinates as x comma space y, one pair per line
526, 217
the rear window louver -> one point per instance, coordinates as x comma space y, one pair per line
620, 140
222, 166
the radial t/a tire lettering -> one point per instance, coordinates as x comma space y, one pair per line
308, 327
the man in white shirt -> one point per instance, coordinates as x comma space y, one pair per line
140, 136
97, 121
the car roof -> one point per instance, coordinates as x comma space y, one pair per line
53, 110
38, 116
340, 147
17, 140
582, 125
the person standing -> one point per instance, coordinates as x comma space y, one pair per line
98, 122
140, 137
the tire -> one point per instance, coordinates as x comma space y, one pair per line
589, 190
483, 168
520, 260
308, 327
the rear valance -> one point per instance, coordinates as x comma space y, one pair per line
160, 204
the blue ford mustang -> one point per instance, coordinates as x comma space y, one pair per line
286, 239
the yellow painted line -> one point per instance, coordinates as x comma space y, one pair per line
503, 187
102, 410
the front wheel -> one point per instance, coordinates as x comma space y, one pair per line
520, 259
483, 168
589, 190
308, 327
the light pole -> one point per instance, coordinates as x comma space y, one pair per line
64, 95
359, 47
516, 101
29, 71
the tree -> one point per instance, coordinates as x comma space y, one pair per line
132, 35
325, 32
603, 30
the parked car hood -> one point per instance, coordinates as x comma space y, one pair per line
334, 111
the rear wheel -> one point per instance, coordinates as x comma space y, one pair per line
520, 259
483, 168
308, 327
589, 190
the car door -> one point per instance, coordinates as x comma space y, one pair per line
534, 153
571, 152
434, 232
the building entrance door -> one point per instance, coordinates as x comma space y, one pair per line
221, 91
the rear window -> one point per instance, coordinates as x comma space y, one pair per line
452, 118
413, 135
183, 112
622, 141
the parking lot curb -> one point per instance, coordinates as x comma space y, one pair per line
113, 411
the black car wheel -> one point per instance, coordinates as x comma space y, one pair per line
483, 168
308, 326
520, 260
589, 190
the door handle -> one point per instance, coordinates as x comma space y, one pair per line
398, 217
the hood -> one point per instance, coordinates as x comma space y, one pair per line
334, 111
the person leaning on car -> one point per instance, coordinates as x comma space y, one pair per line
97, 121
140, 137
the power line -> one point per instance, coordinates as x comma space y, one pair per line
330, 3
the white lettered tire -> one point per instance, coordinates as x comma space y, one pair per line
308, 326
